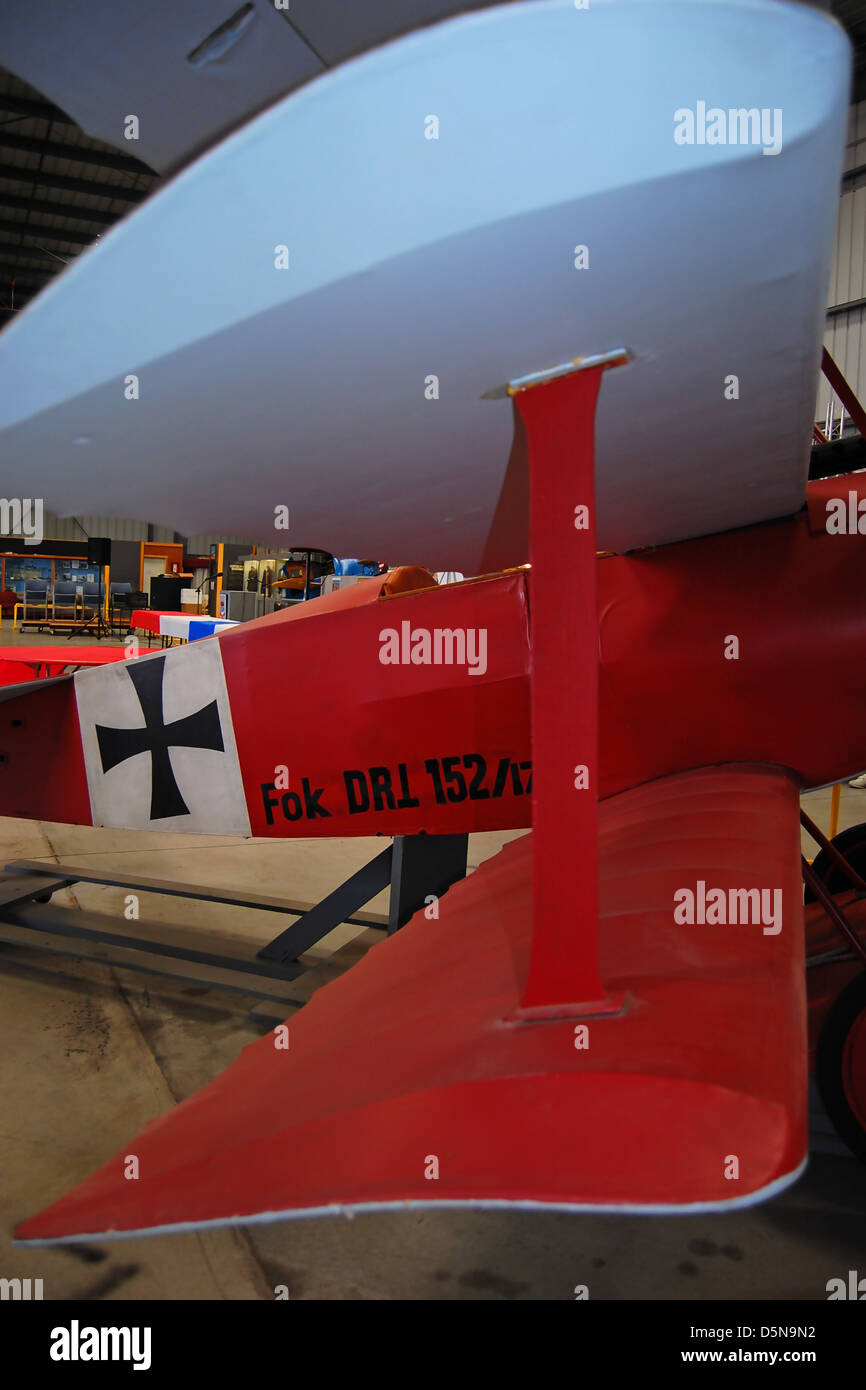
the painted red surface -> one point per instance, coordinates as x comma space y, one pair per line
824, 496
390, 748
42, 772
671, 699
558, 420
23, 663
408, 1057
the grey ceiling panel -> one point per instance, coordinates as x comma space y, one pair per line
191, 70
167, 63
339, 29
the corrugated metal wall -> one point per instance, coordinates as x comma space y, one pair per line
118, 529
845, 337
69, 529
199, 545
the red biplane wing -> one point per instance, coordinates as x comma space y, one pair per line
405, 1082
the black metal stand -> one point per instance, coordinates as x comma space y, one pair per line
423, 867
102, 628
418, 868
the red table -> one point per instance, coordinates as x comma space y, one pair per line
28, 663
147, 619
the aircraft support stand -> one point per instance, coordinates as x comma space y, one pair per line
417, 869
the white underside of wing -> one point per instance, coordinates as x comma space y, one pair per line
412, 258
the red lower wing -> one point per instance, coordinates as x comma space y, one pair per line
404, 1083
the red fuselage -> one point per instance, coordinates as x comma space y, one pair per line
743, 647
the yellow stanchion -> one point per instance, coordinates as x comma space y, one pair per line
835, 799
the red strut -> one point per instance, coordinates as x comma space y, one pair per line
559, 415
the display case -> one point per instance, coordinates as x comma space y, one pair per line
17, 570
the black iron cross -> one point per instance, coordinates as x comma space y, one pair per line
199, 730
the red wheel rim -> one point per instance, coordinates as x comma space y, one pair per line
854, 1068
